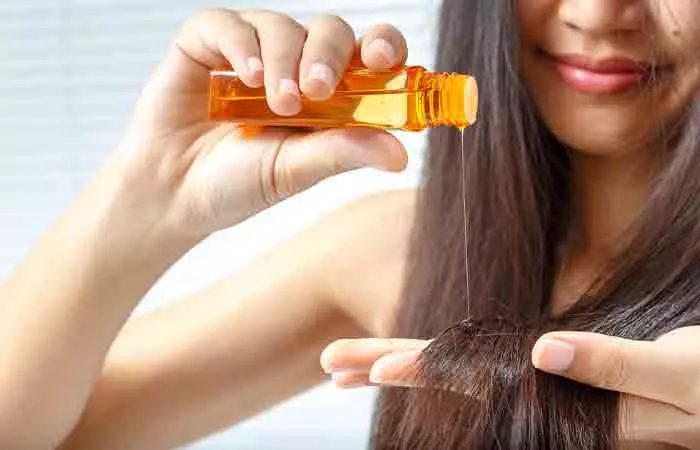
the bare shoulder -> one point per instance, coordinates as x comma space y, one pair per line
364, 264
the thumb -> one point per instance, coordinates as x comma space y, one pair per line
305, 159
641, 368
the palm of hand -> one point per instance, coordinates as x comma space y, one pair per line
194, 159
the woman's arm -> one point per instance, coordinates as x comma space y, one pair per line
61, 309
176, 178
253, 340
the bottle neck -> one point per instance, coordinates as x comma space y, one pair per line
450, 99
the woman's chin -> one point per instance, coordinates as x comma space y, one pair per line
599, 144
605, 136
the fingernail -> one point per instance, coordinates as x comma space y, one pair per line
325, 361
552, 355
376, 374
321, 73
385, 49
391, 368
327, 364
375, 377
287, 97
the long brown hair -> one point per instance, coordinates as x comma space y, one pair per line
487, 394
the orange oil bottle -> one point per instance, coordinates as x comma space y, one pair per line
406, 98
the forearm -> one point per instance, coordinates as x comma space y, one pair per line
199, 376
203, 363
62, 308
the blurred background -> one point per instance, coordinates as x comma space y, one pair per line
70, 72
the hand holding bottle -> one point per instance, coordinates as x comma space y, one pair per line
175, 178
200, 176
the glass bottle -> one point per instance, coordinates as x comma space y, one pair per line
406, 98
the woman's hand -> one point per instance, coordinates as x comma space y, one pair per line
660, 379
175, 179
372, 361
201, 176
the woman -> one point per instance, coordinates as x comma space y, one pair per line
86, 380
581, 214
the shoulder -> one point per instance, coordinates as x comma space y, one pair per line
366, 246
374, 215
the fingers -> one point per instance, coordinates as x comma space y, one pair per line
327, 51
281, 41
371, 362
305, 159
648, 420
218, 38
383, 47
397, 369
641, 368
359, 355
350, 380
393, 362
291, 59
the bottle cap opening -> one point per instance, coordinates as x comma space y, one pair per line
471, 99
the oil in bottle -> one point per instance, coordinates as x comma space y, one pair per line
407, 98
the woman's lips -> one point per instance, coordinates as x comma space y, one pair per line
608, 76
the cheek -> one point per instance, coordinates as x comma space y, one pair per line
601, 124
678, 25
532, 15
676, 17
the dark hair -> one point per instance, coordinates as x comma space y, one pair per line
481, 389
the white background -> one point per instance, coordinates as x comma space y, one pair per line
70, 71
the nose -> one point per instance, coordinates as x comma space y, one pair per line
602, 16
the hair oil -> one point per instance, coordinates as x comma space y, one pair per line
408, 98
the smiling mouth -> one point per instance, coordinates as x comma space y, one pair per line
607, 76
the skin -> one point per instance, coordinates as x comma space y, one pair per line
217, 357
